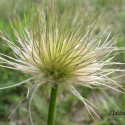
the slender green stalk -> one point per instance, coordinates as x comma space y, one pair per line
52, 105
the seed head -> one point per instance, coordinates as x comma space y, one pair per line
65, 48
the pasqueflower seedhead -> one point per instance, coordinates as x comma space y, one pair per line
67, 49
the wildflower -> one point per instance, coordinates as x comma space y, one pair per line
66, 49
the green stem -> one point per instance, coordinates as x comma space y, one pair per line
52, 105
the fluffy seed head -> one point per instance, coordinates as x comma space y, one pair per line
66, 48
62, 48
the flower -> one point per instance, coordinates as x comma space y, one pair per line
66, 49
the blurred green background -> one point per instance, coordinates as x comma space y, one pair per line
70, 111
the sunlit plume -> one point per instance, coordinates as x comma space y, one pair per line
66, 49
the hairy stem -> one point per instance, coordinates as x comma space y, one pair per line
52, 105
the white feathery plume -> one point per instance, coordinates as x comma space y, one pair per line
65, 49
